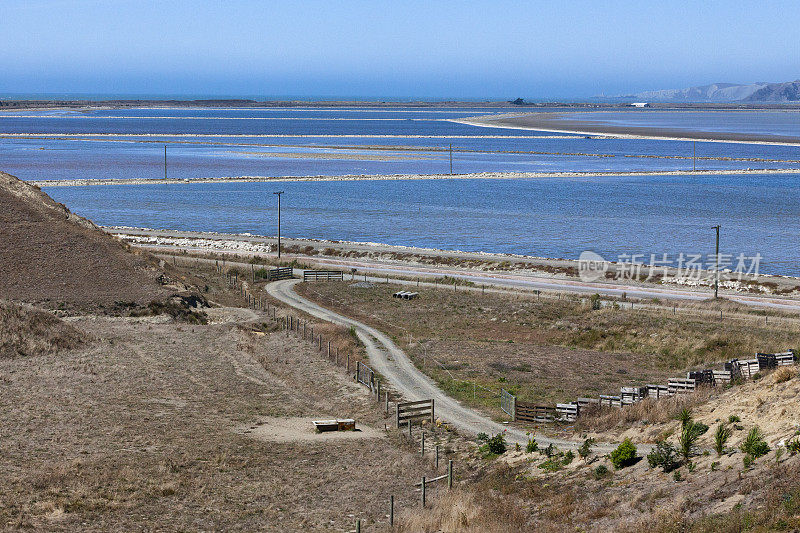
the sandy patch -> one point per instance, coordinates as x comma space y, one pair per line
300, 429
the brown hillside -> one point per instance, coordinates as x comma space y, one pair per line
25, 331
54, 257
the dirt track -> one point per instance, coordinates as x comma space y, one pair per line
390, 361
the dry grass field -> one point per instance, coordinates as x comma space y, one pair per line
547, 350
158, 425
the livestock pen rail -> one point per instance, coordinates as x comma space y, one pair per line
323, 275
734, 371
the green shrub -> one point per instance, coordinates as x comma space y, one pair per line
687, 442
568, 458
600, 472
721, 436
734, 419
676, 475
497, 444
550, 465
482, 437
585, 449
754, 444
624, 454
550, 451
793, 446
748, 461
684, 416
664, 455
532, 445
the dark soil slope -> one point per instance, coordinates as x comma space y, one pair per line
52, 257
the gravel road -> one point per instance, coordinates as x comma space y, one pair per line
390, 361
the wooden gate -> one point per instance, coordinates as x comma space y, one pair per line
323, 275
508, 403
410, 411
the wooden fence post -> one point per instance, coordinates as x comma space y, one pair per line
433, 417
422, 445
449, 474
436, 457
378, 390
386, 396
423, 491
391, 510
358, 526
329, 349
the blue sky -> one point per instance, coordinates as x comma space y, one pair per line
455, 49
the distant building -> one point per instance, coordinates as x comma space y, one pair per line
640, 104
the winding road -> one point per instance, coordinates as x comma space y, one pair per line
390, 361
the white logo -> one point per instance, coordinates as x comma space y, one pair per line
592, 266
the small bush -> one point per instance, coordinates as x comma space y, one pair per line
684, 416
482, 437
600, 472
624, 454
568, 457
532, 445
550, 451
748, 461
721, 436
551, 465
676, 475
497, 444
754, 444
664, 455
793, 446
585, 449
687, 442
734, 419
784, 374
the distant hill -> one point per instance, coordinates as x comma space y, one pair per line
777, 92
724, 92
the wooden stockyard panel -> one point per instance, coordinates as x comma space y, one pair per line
748, 368
722, 377
567, 412
529, 412
657, 391
586, 402
784, 358
323, 275
410, 411
610, 401
508, 403
631, 395
275, 274
681, 385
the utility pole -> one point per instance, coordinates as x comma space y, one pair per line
451, 159
279, 222
716, 273
165, 162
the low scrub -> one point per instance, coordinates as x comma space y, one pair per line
624, 455
26, 332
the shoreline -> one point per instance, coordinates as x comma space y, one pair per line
397, 254
549, 122
88, 182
